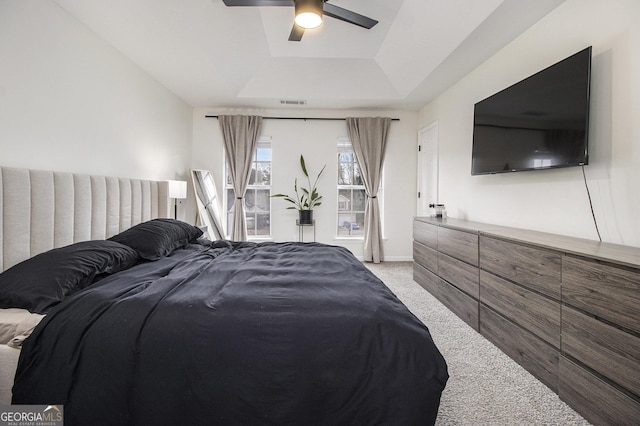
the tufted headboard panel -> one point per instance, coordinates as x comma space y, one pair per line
41, 210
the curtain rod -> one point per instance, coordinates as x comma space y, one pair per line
299, 118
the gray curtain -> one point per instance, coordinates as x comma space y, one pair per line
240, 133
369, 140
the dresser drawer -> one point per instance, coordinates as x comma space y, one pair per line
531, 352
536, 313
459, 303
606, 291
425, 233
462, 275
538, 269
458, 244
425, 256
606, 349
427, 279
596, 400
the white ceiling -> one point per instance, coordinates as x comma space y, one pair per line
217, 56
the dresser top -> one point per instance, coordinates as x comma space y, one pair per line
607, 252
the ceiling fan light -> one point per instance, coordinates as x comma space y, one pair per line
308, 20
309, 13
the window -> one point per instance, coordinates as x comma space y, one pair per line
257, 199
351, 194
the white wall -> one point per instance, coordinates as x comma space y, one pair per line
70, 102
316, 140
555, 200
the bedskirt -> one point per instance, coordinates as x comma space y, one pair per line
8, 364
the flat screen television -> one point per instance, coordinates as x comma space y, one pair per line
540, 122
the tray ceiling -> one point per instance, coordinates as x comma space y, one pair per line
217, 56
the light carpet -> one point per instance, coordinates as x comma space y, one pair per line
485, 386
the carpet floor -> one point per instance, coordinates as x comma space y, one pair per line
485, 386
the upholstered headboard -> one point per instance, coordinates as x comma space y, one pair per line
41, 210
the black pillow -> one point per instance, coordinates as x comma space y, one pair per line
158, 238
39, 283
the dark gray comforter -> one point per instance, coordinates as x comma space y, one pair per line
236, 333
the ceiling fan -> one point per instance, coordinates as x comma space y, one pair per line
308, 13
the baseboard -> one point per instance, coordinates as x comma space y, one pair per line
392, 258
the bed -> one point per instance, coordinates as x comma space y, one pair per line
166, 327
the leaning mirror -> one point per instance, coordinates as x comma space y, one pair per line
207, 200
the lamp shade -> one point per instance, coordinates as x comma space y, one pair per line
308, 13
177, 189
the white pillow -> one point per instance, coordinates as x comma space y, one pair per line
17, 324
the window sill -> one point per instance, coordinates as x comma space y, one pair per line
355, 239
361, 239
259, 239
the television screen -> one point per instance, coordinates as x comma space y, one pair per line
539, 123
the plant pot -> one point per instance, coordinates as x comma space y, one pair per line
305, 217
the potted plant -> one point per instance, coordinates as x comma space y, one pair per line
305, 199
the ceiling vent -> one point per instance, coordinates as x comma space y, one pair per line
292, 102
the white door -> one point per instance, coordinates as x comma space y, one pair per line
427, 168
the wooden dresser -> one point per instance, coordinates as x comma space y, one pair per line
566, 309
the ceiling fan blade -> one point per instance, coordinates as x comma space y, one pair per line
296, 33
260, 3
348, 16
